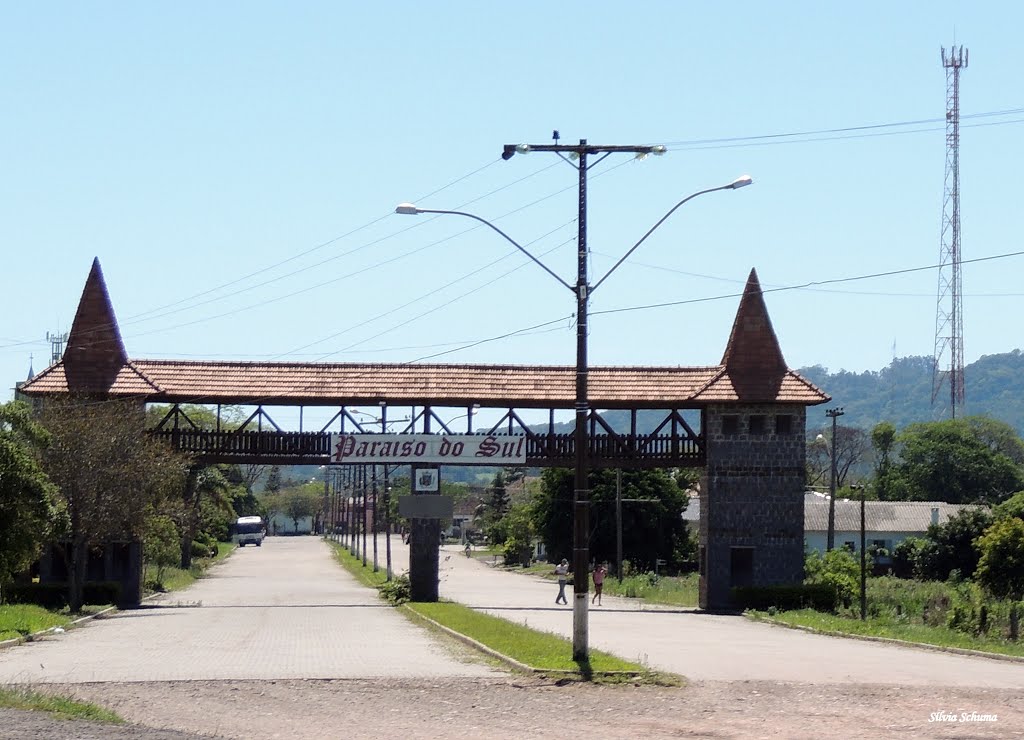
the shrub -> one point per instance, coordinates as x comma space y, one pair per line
819, 596
397, 590
161, 544
1001, 567
54, 596
838, 569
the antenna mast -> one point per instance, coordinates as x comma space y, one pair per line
949, 340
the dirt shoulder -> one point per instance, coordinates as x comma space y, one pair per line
529, 707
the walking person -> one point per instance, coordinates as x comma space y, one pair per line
600, 572
562, 571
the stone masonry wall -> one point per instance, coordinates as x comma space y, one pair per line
752, 496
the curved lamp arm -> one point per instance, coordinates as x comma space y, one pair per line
410, 209
739, 182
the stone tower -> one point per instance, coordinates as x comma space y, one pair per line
752, 492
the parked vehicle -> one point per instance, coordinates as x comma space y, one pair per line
248, 530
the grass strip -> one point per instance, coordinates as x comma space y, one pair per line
354, 565
22, 620
59, 706
875, 627
176, 579
541, 651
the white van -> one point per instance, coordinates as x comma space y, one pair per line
248, 530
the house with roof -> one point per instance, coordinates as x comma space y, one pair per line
886, 523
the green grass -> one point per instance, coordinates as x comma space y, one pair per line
21, 620
354, 565
176, 579
885, 627
540, 650
675, 590
59, 706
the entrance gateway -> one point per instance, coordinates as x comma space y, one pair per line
750, 441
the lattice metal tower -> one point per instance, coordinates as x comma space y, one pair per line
949, 339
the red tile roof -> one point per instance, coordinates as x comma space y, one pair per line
752, 371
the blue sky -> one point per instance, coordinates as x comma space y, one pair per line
235, 167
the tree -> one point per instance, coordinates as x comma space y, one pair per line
160, 544
110, 474
497, 507
518, 535
883, 439
203, 483
273, 480
296, 503
652, 524
27, 511
948, 461
1011, 507
950, 547
852, 447
1001, 567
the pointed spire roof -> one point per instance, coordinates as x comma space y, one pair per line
753, 359
31, 370
95, 353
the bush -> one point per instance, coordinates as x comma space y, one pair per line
819, 596
397, 590
838, 569
906, 556
54, 596
1001, 567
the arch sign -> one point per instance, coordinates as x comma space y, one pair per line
442, 449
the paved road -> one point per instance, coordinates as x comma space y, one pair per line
283, 610
711, 647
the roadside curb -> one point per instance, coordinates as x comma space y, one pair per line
70, 625
512, 662
51, 630
890, 641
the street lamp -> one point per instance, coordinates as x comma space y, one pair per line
577, 157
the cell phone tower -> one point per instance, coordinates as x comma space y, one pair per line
949, 315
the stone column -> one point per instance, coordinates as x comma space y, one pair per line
424, 538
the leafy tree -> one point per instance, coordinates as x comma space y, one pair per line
160, 544
273, 480
906, 557
202, 484
27, 510
948, 461
652, 526
497, 507
518, 534
110, 475
838, 568
1001, 567
1011, 507
296, 502
883, 440
950, 547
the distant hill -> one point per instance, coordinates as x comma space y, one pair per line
902, 392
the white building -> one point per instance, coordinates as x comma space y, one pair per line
887, 523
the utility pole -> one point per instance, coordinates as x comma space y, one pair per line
618, 523
577, 156
831, 541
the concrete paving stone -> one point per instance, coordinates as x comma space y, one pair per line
283, 610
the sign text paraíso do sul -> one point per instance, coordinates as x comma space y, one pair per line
445, 449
